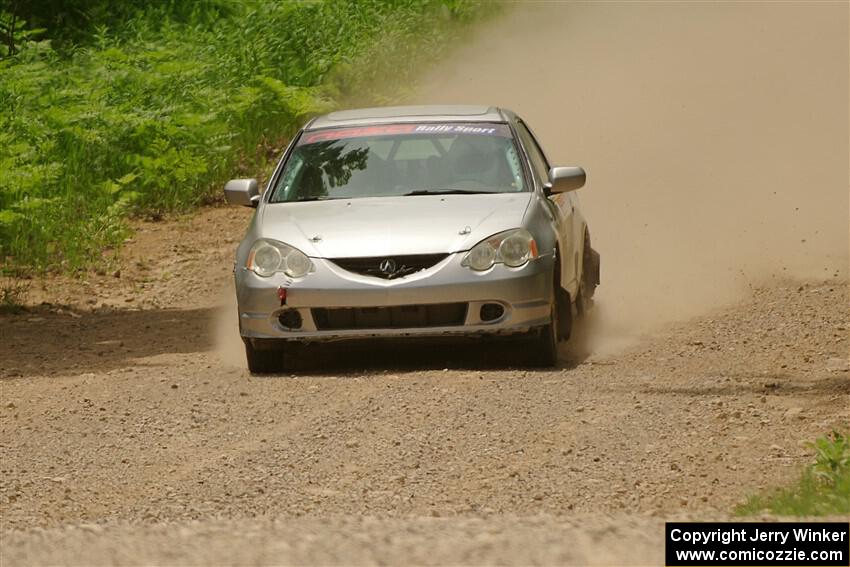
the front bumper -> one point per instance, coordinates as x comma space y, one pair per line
524, 293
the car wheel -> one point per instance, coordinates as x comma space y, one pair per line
263, 361
564, 319
546, 348
583, 302
588, 281
545, 352
590, 268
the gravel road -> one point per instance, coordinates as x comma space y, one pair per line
133, 437
131, 433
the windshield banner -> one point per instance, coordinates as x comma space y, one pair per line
438, 128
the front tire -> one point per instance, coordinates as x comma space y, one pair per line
545, 350
589, 278
583, 302
263, 361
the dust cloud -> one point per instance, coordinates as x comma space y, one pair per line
715, 137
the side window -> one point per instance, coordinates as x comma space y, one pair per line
538, 162
289, 175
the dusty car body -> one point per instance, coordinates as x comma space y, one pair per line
412, 222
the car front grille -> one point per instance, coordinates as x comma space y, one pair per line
396, 317
389, 267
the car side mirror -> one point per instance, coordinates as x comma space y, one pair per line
243, 192
564, 179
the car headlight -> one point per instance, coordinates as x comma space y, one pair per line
270, 256
513, 248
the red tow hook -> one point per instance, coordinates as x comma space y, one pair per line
281, 293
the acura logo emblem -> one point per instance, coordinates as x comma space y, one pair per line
387, 266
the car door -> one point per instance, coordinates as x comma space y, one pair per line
560, 206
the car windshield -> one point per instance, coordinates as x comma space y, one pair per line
401, 160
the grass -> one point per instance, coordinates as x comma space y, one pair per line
823, 488
152, 117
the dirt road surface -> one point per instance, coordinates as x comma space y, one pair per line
716, 141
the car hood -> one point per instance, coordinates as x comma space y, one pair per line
387, 226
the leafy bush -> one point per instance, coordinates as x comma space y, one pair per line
153, 116
75, 22
823, 489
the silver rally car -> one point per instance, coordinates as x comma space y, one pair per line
419, 221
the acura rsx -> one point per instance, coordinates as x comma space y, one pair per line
419, 221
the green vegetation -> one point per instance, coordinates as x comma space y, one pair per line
823, 489
148, 109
